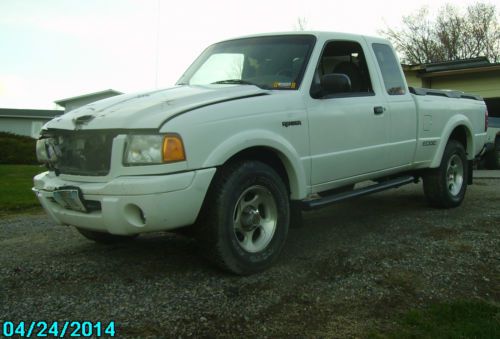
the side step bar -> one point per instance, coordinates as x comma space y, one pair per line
382, 186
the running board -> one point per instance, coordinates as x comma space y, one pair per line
382, 186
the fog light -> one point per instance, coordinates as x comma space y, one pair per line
135, 215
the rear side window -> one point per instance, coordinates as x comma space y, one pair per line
393, 80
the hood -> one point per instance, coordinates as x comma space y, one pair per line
149, 110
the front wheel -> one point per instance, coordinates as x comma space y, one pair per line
445, 186
244, 222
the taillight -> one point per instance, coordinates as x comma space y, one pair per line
485, 120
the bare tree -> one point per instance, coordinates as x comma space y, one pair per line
452, 35
301, 24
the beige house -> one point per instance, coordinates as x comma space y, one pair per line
28, 122
72, 103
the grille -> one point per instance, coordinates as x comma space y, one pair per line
82, 153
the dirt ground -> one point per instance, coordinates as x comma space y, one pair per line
351, 269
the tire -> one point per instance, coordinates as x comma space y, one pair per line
105, 238
445, 186
492, 158
244, 221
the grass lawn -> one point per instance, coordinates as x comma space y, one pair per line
459, 319
15, 188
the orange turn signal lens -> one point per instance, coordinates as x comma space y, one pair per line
173, 148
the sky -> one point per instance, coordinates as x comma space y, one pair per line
56, 49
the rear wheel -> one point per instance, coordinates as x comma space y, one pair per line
105, 238
244, 221
445, 186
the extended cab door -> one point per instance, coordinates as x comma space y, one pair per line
349, 129
400, 104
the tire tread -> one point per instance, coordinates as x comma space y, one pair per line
207, 229
435, 189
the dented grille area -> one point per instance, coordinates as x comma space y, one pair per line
82, 153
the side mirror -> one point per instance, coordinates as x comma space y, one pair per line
335, 83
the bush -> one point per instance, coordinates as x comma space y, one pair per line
17, 149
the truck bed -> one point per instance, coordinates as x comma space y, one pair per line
444, 93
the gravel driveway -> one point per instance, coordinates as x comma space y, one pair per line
350, 269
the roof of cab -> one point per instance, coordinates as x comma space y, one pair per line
321, 35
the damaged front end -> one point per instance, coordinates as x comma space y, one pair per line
86, 153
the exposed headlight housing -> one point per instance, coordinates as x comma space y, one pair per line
41, 151
153, 149
47, 150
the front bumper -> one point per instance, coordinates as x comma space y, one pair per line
130, 204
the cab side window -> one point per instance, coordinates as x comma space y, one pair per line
391, 73
341, 72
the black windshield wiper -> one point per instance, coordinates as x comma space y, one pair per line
240, 82
234, 82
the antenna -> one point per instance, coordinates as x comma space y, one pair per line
157, 46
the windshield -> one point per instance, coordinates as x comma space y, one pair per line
273, 62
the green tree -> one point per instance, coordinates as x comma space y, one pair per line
452, 35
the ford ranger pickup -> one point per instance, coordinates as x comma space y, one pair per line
257, 129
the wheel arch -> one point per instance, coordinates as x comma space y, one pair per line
275, 151
459, 129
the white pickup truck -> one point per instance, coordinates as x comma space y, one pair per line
255, 130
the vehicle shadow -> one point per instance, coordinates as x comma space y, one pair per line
346, 222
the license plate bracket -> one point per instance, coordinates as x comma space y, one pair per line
70, 198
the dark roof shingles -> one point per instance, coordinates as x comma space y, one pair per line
30, 113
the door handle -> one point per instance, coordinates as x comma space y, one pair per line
378, 110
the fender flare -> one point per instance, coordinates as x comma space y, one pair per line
264, 138
456, 121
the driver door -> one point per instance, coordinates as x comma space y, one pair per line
349, 130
